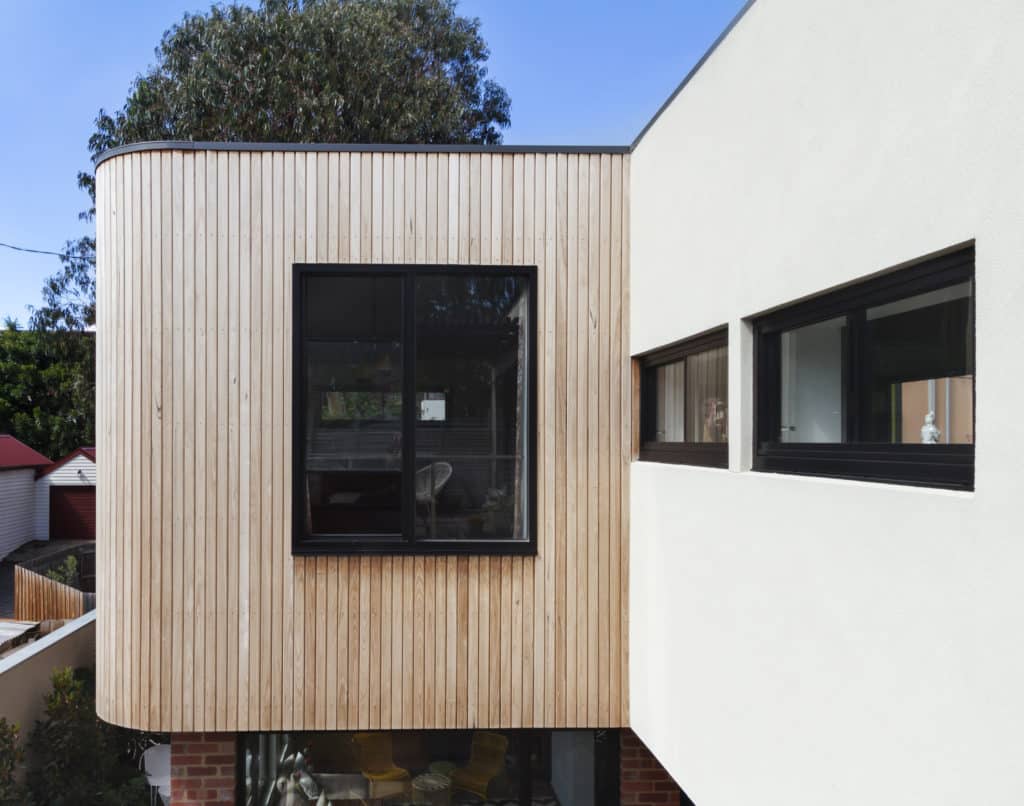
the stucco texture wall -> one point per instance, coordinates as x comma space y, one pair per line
809, 641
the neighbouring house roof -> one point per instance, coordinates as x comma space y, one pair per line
88, 453
15, 454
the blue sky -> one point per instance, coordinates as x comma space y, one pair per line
578, 72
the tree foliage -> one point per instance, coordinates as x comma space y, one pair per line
11, 756
333, 71
48, 389
69, 296
74, 758
66, 572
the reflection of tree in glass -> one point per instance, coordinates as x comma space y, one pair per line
467, 300
342, 406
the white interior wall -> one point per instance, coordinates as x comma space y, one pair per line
16, 501
80, 471
807, 641
812, 383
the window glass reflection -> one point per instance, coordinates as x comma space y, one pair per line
897, 373
353, 443
472, 342
510, 768
918, 383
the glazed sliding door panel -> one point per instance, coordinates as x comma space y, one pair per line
208, 619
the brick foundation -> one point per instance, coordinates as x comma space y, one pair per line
203, 769
642, 780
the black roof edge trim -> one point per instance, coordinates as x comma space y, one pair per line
395, 148
696, 68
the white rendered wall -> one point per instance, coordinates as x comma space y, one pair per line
79, 472
804, 641
17, 490
26, 674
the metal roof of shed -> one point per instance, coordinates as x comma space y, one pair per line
15, 454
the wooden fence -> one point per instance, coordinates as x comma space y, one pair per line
37, 598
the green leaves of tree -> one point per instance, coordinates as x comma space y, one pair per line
48, 389
330, 71
74, 758
358, 71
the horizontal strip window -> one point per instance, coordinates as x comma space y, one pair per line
509, 767
874, 381
684, 402
415, 406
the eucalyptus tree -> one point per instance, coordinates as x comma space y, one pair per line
328, 71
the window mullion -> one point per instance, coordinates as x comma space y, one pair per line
854, 372
409, 407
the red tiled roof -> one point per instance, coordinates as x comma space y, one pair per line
15, 454
88, 453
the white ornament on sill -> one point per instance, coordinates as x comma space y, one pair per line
929, 431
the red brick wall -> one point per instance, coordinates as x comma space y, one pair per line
642, 780
203, 769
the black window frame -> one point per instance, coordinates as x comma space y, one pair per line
939, 466
304, 544
703, 454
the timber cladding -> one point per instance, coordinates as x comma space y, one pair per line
206, 620
38, 598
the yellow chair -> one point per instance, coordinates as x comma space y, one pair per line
376, 761
486, 762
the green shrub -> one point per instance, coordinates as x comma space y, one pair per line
11, 756
74, 758
66, 572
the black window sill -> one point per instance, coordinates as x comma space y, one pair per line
343, 546
702, 454
949, 467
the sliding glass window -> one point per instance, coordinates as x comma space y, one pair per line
685, 402
414, 402
873, 381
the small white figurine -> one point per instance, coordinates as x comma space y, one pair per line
929, 431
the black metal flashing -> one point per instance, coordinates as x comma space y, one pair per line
393, 148
693, 72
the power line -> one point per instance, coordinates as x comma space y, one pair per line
43, 251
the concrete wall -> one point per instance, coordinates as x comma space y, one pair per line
17, 488
806, 641
25, 674
66, 476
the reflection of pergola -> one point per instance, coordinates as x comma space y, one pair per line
481, 344
470, 353
506, 341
